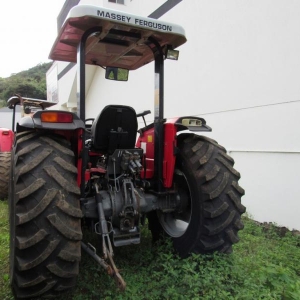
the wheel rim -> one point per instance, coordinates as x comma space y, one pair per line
176, 223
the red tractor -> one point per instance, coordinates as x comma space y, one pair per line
65, 171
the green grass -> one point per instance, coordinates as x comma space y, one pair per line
262, 266
4, 252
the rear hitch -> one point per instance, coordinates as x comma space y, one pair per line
107, 250
109, 268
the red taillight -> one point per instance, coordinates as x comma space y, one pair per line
5, 132
56, 117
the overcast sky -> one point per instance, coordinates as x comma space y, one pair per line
27, 32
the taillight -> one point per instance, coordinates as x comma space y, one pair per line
5, 132
56, 117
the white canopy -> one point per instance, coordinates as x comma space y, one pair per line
122, 39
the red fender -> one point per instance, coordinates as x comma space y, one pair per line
146, 142
171, 127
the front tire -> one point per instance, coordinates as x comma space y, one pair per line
210, 215
45, 217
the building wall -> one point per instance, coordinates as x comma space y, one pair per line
6, 118
240, 70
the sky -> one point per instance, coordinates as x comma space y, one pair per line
27, 32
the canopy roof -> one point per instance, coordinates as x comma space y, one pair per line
121, 41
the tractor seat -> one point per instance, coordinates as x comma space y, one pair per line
114, 128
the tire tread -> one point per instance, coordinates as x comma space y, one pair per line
46, 219
5, 159
218, 217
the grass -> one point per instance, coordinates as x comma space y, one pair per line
4, 252
263, 265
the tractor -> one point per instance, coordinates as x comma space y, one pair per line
67, 172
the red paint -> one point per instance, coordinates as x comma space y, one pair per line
6, 140
146, 142
169, 155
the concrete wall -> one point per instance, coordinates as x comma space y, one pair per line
240, 70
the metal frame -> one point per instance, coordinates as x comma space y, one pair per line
158, 104
158, 113
81, 96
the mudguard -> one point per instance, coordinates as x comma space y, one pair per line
171, 128
36, 122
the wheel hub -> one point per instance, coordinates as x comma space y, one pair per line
176, 223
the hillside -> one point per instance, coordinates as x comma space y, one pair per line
29, 83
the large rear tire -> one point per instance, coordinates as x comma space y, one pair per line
5, 158
45, 217
211, 209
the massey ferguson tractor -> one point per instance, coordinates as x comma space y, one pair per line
65, 172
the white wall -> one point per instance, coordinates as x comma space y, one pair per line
6, 119
264, 142
240, 70
271, 181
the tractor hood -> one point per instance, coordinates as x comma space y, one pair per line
122, 40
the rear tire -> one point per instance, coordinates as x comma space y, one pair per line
45, 225
210, 216
5, 158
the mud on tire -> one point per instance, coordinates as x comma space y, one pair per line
5, 158
213, 209
45, 216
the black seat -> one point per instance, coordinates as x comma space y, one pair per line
114, 128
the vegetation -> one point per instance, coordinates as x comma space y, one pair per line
30, 83
264, 265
